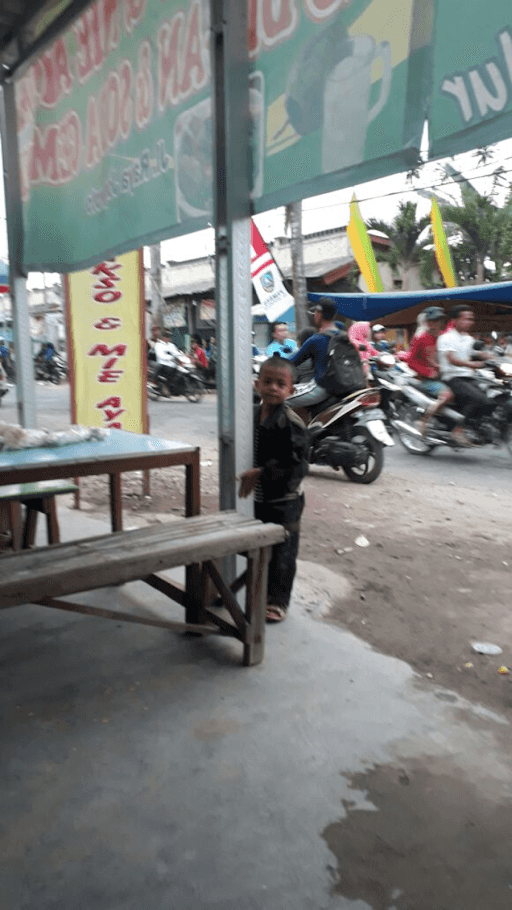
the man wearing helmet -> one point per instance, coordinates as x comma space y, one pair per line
423, 360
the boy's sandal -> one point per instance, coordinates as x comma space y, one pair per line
275, 613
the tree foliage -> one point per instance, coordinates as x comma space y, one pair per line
404, 232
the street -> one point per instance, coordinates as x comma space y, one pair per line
486, 469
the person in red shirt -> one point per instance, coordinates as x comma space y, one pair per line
198, 354
423, 360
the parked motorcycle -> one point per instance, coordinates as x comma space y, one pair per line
176, 377
348, 433
489, 429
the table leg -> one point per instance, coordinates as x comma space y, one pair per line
116, 505
192, 487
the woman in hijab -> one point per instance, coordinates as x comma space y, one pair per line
359, 334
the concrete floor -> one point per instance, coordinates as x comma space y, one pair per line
143, 770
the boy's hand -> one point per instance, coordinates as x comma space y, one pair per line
248, 481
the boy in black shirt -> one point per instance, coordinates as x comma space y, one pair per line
280, 459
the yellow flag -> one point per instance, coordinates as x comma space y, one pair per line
443, 255
363, 250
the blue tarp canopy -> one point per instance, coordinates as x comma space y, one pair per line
368, 307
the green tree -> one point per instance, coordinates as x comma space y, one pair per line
485, 233
404, 232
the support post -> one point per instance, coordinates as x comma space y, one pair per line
25, 386
232, 182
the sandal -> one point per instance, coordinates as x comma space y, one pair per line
275, 613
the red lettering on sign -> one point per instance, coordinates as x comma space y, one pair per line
111, 26
111, 415
93, 146
114, 426
125, 100
278, 19
69, 146
168, 41
144, 87
114, 402
107, 296
107, 271
133, 13
119, 350
110, 376
194, 68
43, 166
107, 323
321, 9
109, 110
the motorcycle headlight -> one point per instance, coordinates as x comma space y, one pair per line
505, 370
386, 360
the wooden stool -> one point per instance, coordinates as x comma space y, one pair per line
36, 497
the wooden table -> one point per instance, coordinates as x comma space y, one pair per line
119, 452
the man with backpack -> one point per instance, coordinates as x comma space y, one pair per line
337, 365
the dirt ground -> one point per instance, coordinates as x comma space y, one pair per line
435, 577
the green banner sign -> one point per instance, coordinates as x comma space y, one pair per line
115, 118
472, 77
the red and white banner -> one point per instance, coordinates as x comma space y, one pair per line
267, 280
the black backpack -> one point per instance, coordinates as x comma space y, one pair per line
344, 372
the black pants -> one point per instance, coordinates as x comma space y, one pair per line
470, 400
283, 562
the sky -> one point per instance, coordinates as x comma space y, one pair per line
377, 199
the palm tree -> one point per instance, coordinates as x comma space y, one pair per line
404, 232
483, 228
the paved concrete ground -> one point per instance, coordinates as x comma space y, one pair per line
143, 770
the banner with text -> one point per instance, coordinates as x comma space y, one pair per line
106, 344
472, 76
115, 123
274, 299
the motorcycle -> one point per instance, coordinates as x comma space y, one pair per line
53, 370
386, 375
4, 386
489, 429
175, 377
348, 433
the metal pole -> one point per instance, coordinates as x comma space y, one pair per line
232, 169
25, 386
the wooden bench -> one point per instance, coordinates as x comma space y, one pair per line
37, 498
44, 575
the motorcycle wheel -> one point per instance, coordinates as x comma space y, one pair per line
368, 470
192, 390
152, 393
416, 445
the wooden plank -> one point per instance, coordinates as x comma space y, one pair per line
127, 617
174, 530
228, 598
256, 602
68, 568
171, 589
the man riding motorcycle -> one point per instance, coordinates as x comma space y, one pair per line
316, 348
424, 361
458, 362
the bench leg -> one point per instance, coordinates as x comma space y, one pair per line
29, 531
195, 586
52, 524
255, 605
